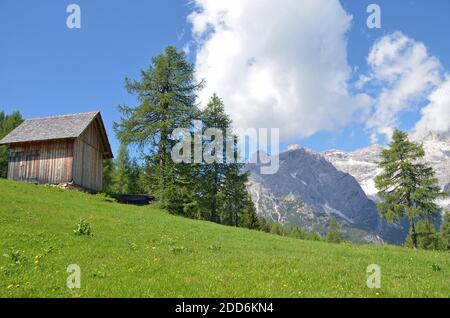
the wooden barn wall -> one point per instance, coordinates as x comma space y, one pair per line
88, 159
41, 162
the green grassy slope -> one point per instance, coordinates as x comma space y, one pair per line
145, 252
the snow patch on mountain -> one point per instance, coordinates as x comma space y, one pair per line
362, 164
307, 191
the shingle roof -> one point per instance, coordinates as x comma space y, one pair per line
55, 127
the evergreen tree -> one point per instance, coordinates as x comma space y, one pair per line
298, 233
235, 196
444, 232
134, 171
407, 186
166, 93
122, 174
109, 168
250, 219
334, 234
213, 173
313, 236
277, 228
182, 193
427, 237
264, 225
223, 183
7, 124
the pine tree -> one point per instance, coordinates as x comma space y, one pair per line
7, 124
334, 234
444, 232
166, 93
407, 186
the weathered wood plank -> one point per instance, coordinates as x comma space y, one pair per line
41, 162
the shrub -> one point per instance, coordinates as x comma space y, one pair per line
16, 256
82, 228
177, 249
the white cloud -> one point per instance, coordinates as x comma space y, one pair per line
404, 74
436, 115
277, 65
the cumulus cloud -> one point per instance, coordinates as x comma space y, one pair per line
436, 115
277, 66
403, 74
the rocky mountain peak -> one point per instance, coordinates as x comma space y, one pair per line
308, 190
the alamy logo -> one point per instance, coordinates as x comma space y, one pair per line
74, 279
374, 19
213, 145
74, 19
374, 279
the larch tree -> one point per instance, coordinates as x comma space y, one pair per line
426, 235
216, 122
407, 185
221, 176
166, 94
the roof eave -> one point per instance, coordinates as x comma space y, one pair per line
8, 143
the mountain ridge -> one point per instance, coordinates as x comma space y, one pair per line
308, 190
363, 163
311, 187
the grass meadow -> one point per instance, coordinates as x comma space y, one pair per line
146, 252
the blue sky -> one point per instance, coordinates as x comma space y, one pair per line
48, 69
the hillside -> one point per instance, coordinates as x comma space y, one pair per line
145, 252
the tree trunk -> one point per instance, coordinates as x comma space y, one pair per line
214, 210
413, 234
214, 199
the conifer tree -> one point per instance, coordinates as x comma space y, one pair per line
223, 180
109, 169
213, 173
250, 219
334, 234
235, 195
427, 237
134, 171
7, 124
444, 232
122, 173
407, 186
166, 93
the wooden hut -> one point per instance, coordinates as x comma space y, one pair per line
67, 149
